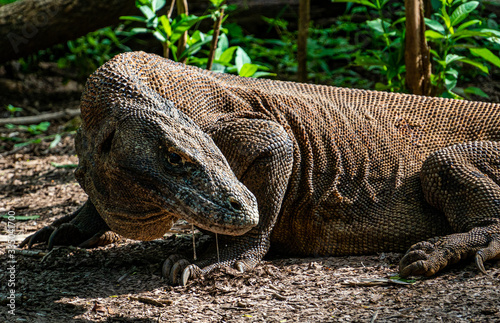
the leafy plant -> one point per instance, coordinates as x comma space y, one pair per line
12, 110
278, 53
233, 59
87, 53
451, 33
33, 130
230, 59
168, 31
385, 54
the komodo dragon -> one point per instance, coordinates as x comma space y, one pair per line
302, 169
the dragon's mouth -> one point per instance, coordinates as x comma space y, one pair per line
147, 222
133, 217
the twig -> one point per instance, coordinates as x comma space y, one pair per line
166, 50
30, 253
171, 9
194, 242
215, 37
41, 117
182, 7
13, 151
151, 301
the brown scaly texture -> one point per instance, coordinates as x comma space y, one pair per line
332, 171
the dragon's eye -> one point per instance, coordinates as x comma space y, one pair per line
174, 159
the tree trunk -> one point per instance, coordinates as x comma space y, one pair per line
304, 17
27, 26
417, 55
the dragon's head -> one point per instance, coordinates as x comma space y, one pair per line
145, 164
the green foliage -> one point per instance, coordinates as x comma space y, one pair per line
56, 165
21, 217
169, 31
233, 59
83, 55
33, 131
453, 39
278, 53
455, 42
386, 35
36, 129
12, 110
89, 52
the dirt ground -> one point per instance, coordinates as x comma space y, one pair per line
122, 282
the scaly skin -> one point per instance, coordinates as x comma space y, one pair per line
303, 169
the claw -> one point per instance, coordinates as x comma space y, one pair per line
176, 269
64, 235
41, 235
101, 238
240, 266
186, 274
480, 261
168, 264
92, 242
191, 271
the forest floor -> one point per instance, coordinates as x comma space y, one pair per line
122, 282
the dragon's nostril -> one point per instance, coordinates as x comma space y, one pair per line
235, 205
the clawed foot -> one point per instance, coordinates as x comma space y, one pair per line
428, 257
424, 259
68, 234
178, 270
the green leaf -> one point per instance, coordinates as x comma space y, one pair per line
450, 82
378, 25
140, 30
248, 70
21, 217
363, 2
184, 24
450, 58
147, 12
431, 34
223, 43
452, 72
368, 61
133, 18
400, 20
56, 165
492, 34
435, 25
462, 12
242, 58
468, 24
445, 17
486, 54
160, 36
476, 91
475, 64
227, 55
194, 48
263, 74
54, 142
157, 4
165, 24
